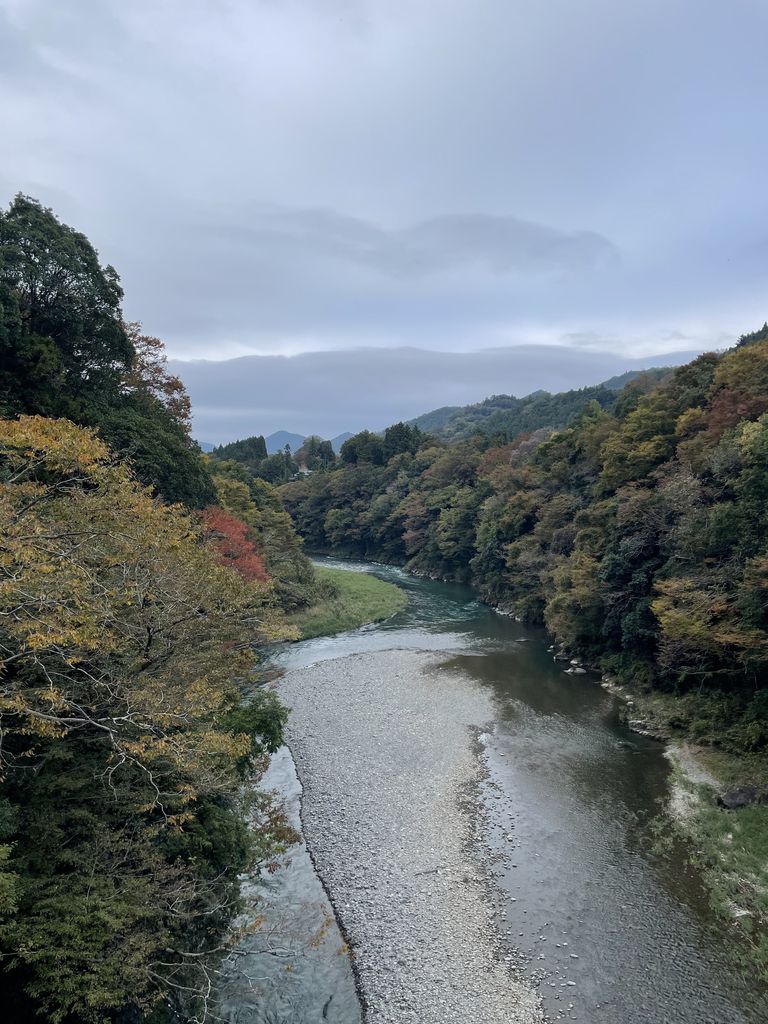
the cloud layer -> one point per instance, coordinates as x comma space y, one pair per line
290, 176
328, 393
458, 243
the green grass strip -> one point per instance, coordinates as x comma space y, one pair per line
351, 599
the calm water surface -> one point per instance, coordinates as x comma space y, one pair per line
616, 931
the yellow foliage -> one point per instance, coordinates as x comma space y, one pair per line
114, 617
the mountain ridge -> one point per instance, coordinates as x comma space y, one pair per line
508, 415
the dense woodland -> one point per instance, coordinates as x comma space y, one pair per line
138, 587
638, 533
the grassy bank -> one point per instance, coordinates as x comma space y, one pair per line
730, 846
350, 599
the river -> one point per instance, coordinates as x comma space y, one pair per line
613, 925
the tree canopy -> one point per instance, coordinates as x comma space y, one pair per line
66, 351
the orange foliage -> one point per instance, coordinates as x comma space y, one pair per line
227, 537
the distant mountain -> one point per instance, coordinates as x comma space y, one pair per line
274, 443
337, 442
277, 441
507, 416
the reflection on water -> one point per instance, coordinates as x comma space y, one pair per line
618, 931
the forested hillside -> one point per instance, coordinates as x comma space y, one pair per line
503, 417
138, 585
638, 533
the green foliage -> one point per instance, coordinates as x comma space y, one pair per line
366, 447
313, 455
753, 337
250, 451
62, 339
263, 718
279, 467
122, 640
363, 447
158, 449
316, 453
401, 438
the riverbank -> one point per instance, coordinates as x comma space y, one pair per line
388, 814
730, 843
350, 599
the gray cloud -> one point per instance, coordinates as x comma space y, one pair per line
280, 176
330, 392
501, 245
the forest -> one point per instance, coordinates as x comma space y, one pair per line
637, 533
139, 587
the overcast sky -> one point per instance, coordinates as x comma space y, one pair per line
291, 176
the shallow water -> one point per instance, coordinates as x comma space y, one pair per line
294, 968
615, 929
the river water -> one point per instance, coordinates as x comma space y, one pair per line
615, 926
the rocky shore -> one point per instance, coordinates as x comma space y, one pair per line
385, 747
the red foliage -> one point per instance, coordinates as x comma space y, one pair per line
731, 405
227, 536
493, 458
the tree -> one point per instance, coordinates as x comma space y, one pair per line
637, 532
65, 351
160, 451
363, 447
149, 375
228, 537
250, 452
256, 503
316, 453
401, 438
278, 468
62, 338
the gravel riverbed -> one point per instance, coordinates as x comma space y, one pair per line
386, 749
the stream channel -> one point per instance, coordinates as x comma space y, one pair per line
584, 892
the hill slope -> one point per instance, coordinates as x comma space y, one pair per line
506, 416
